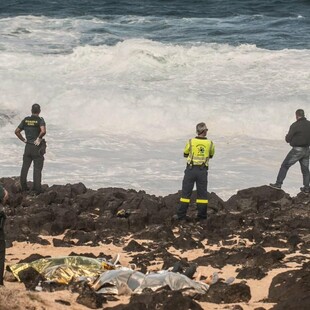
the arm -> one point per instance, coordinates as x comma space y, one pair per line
19, 135
212, 150
290, 134
6, 197
42, 132
186, 149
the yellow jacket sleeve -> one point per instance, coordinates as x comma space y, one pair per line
186, 149
212, 150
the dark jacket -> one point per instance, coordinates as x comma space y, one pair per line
2, 221
299, 133
31, 125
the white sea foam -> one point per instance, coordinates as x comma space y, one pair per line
137, 83
120, 115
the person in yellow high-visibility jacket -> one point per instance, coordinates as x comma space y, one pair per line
198, 151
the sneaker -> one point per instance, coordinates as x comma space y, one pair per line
305, 190
275, 185
187, 219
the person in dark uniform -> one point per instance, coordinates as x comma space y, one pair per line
4, 195
299, 138
198, 151
35, 129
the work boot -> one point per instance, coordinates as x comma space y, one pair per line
176, 219
305, 190
200, 220
35, 193
275, 185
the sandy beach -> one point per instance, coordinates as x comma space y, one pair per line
15, 296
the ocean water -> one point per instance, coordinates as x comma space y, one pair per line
122, 85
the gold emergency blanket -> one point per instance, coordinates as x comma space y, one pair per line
65, 269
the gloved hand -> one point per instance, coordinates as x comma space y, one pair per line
37, 142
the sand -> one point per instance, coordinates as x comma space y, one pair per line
14, 295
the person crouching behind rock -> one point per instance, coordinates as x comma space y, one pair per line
4, 195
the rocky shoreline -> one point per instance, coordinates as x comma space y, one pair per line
256, 231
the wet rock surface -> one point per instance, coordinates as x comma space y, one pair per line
244, 226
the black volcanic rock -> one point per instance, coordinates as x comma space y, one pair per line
133, 306
57, 243
224, 293
32, 258
83, 238
291, 289
251, 273
186, 242
90, 298
263, 215
258, 198
134, 246
30, 277
233, 256
156, 233
163, 300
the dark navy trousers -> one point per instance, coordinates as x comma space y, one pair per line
199, 175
